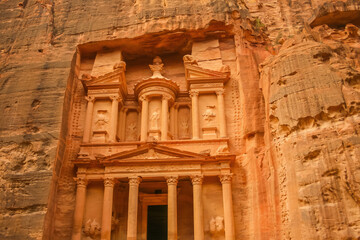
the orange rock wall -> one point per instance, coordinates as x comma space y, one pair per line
293, 118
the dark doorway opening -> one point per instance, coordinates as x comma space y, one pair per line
157, 222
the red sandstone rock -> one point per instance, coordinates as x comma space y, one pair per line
292, 120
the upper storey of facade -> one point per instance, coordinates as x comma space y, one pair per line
170, 98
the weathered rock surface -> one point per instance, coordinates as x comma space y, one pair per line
295, 124
311, 90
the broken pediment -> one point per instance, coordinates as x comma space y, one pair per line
196, 74
112, 80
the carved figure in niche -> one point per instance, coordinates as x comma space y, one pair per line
157, 67
92, 228
154, 119
131, 131
209, 115
216, 224
102, 119
184, 127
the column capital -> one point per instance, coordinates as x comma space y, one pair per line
172, 180
166, 97
134, 181
226, 178
109, 182
197, 179
81, 182
194, 93
115, 98
220, 92
143, 98
90, 98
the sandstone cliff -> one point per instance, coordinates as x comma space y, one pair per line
295, 115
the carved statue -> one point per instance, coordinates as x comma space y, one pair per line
154, 119
102, 119
92, 228
184, 127
209, 115
131, 131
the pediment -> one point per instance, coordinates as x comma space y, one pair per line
114, 79
153, 151
195, 73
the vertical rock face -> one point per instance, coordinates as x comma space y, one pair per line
293, 118
312, 100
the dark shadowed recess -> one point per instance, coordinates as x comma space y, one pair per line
337, 14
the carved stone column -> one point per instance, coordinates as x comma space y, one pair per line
133, 208
172, 207
88, 118
228, 207
221, 108
176, 127
195, 113
79, 208
164, 117
172, 120
198, 207
123, 124
107, 208
113, 118
144, 118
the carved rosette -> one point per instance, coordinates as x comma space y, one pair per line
225, 178
134, 181
172, 180
194, 93
81, 182
109, 182
197, 179
90, 98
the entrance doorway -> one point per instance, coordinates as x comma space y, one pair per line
157, 222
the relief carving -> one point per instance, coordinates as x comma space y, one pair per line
101, 120
131, 131
157, 67
92, 228
184, 127
154, 119
190, 59
209, 115
120, 64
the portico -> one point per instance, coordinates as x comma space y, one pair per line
153, 164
